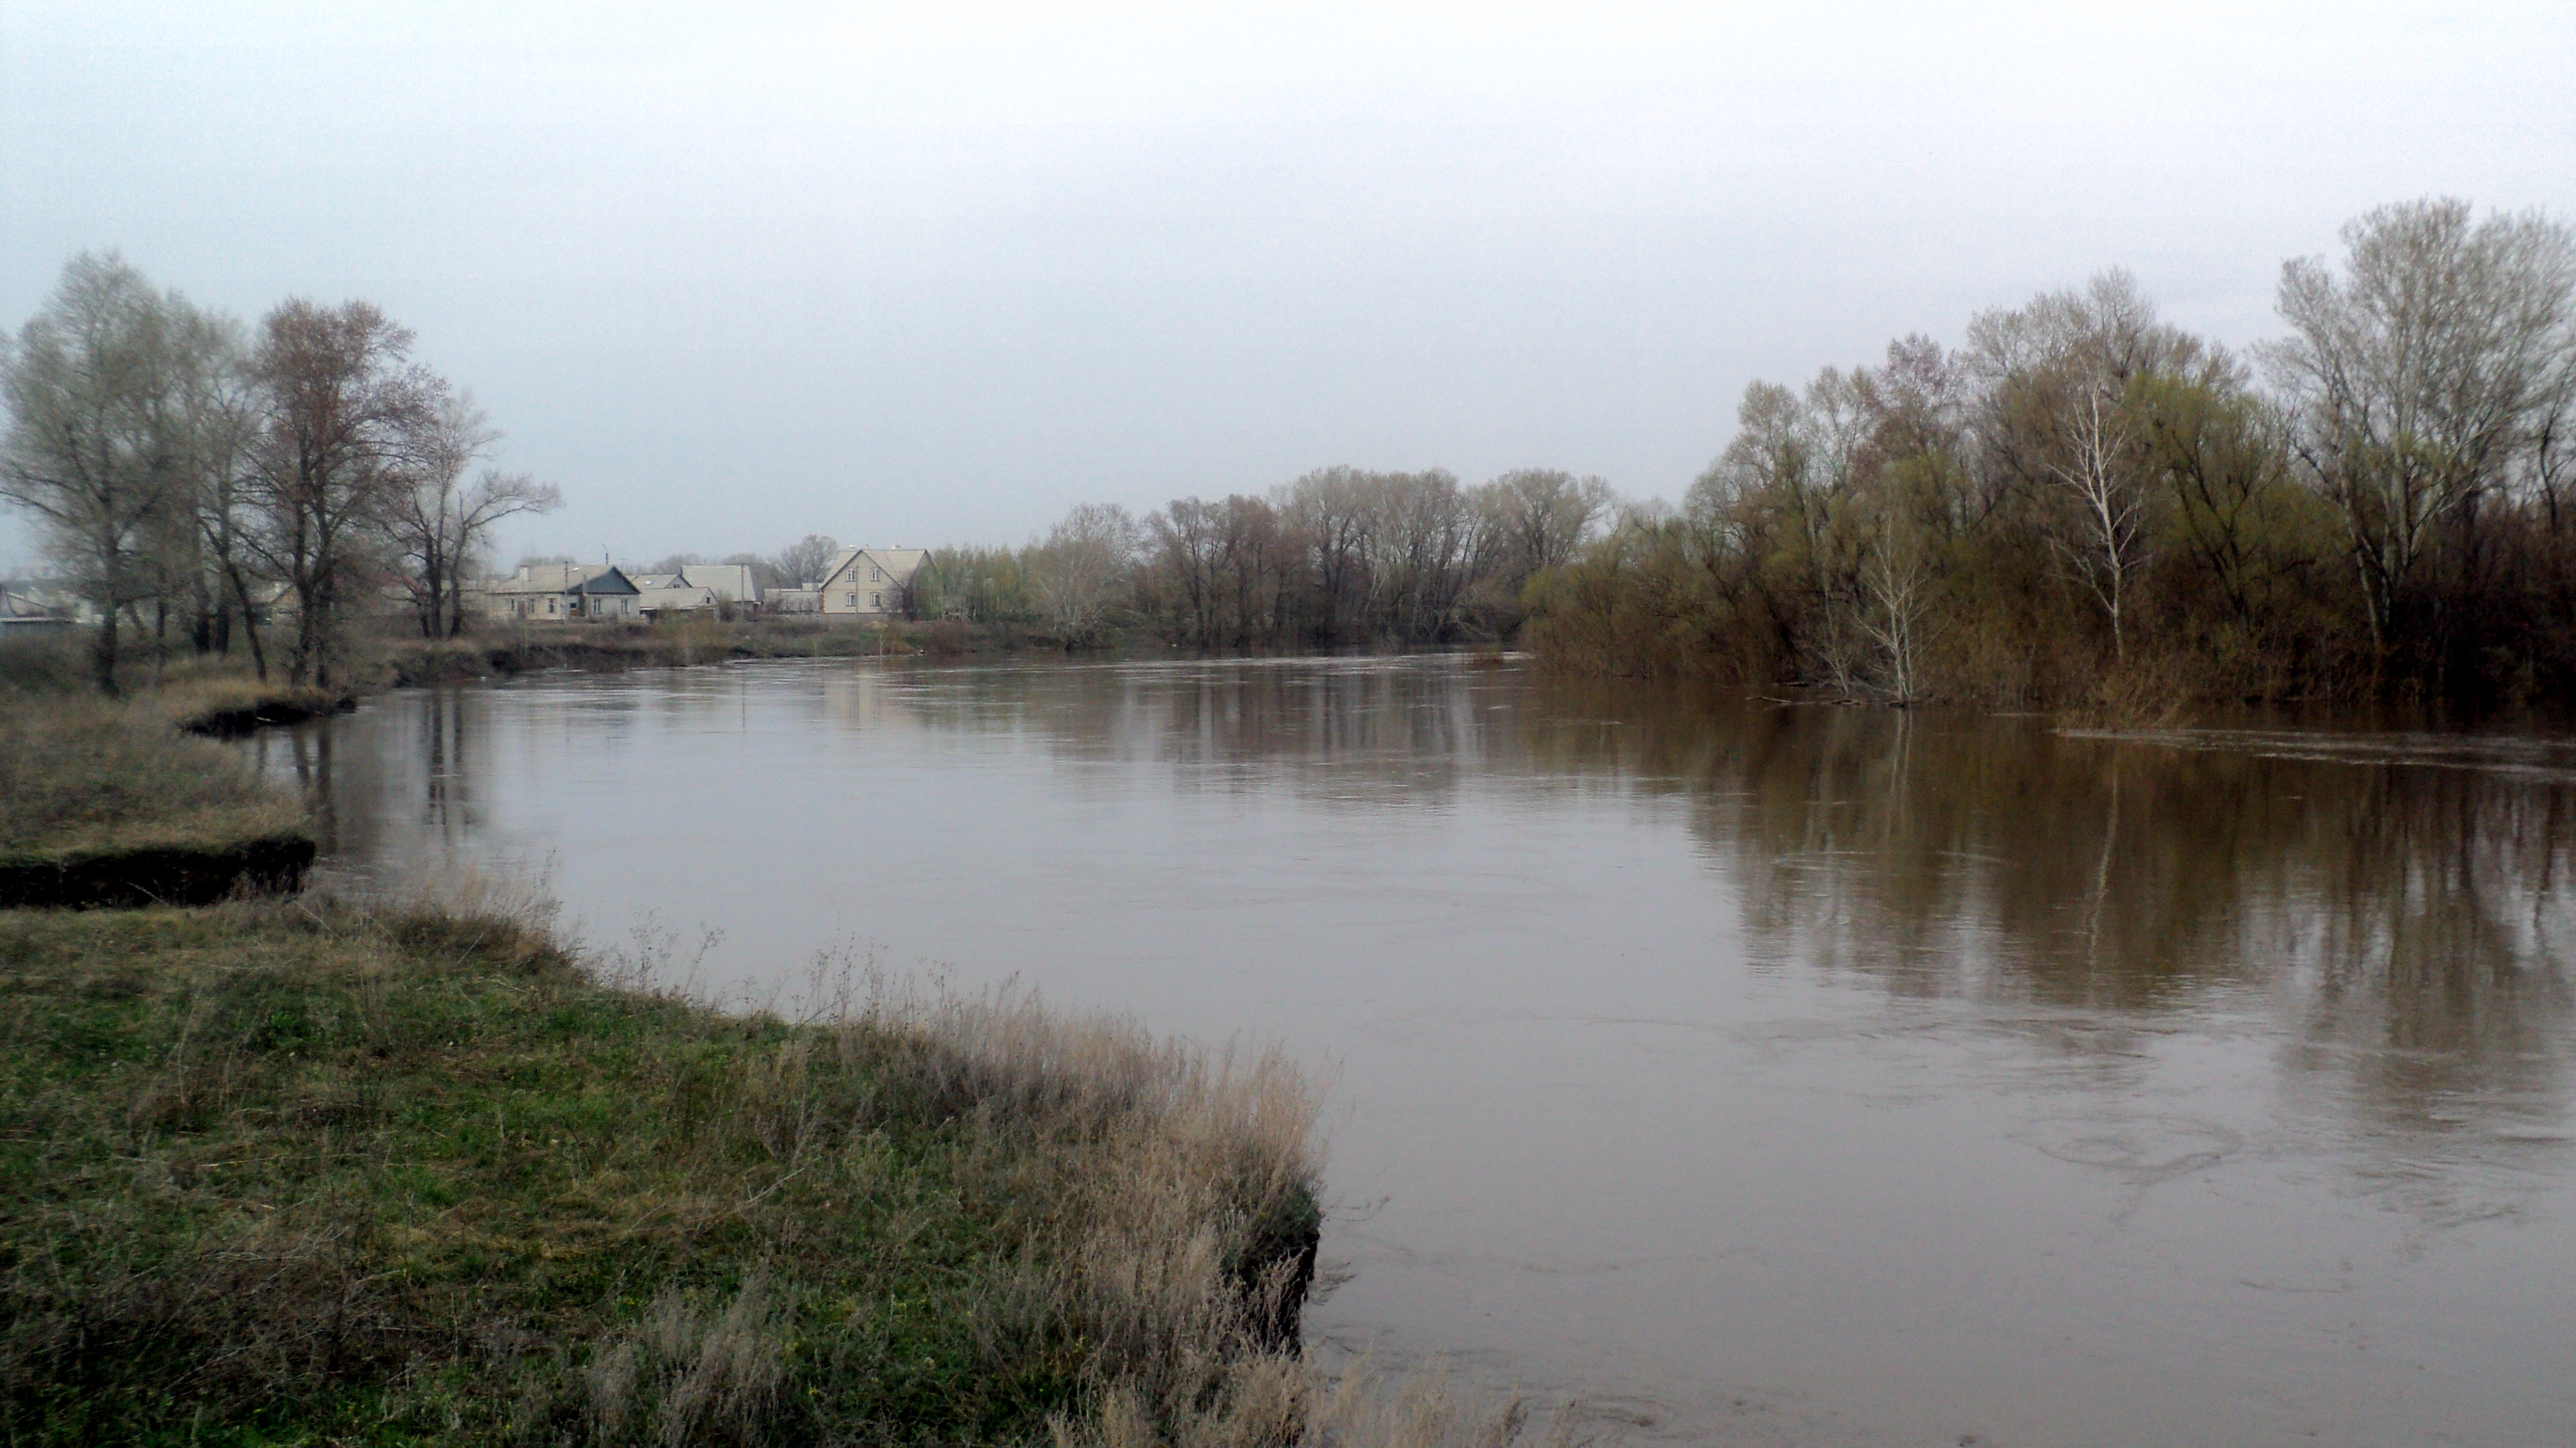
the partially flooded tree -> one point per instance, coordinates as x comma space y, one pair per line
1895, 582
2058, 374
2218, 458
98, 447
1419, 552
1328, 511
1075, 571
2418, 375
348, 416
1541, 515
2099, 470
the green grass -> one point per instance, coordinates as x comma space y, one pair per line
285, 1174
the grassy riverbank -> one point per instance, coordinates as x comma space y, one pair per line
107, 802
299, 1174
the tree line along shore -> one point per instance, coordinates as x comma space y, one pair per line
2082, 505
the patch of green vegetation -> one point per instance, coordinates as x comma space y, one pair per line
279, 1174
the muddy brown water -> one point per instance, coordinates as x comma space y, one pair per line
1755, 1074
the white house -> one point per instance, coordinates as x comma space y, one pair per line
871, 582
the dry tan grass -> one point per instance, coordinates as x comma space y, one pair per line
1176, 1136
80, 776
1277, 1400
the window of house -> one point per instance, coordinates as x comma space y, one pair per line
873, 601
854, 600
876, 575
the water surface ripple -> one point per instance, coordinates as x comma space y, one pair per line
1760, 1074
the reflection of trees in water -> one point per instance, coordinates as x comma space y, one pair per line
398, 786
1360, 730
2410, 913
2407, 924
2440, 914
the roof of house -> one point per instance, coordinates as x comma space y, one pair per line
587, 578
650, 581
898, 564
545, 577
732, 581
653, 599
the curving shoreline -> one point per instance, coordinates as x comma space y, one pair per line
315, 1169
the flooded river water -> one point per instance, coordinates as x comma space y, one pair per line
1758, 1074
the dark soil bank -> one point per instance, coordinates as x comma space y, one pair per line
232, 723
129, 879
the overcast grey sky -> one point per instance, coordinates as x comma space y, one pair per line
731, 274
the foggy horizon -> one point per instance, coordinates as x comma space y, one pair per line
914, 283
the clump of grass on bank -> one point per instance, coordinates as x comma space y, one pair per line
84, 778
237, 704
282, 1173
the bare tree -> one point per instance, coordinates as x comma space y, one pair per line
1422, 537
2419, 374
222, 406
1074, 573
424, 513
1190, 542
442, 523
97, 446
1328, 511
803, 563
1896, 583
2100, 472
346, 415
1543, 516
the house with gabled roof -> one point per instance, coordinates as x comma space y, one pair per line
872, 582
591, 592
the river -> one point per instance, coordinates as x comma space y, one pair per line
1755, 1073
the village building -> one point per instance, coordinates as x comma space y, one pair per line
871, 582
592, 592
41, 608
731, 583
721, 590
674, 600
